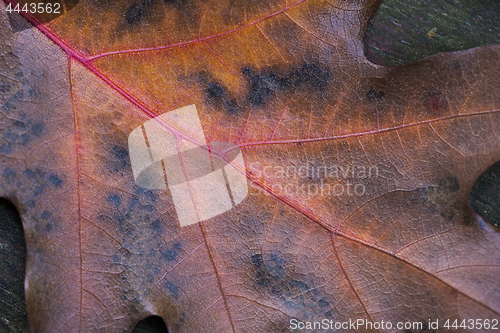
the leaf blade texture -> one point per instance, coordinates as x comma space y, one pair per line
358, 174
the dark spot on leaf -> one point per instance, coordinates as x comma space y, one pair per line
133, 203
33, 92
116, 258
39, 188
12, 100
267, 83
150, 195
214, 93
232, 106
115, 199
25, 138
256, 260
8, 105
217, 95
262, 86
323, 303
29, 173
5, 88
442, 198
173, 289
48, 227
122, 155
30, 203
156, 226
10, 136
36, 129
54, 179
374, 94
6, 148
45, 215
9, 174
450, 184
20, 125
172, 253
436, 103
136, 13
273, 277
312, 76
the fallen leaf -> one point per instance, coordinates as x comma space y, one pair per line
358, 174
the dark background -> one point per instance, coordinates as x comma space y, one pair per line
401, 32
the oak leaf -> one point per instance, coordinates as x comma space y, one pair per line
358, 174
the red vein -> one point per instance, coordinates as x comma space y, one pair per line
77, 166
344, 271
202, 39
217, 274
354, 135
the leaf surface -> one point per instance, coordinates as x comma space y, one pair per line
358, 173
